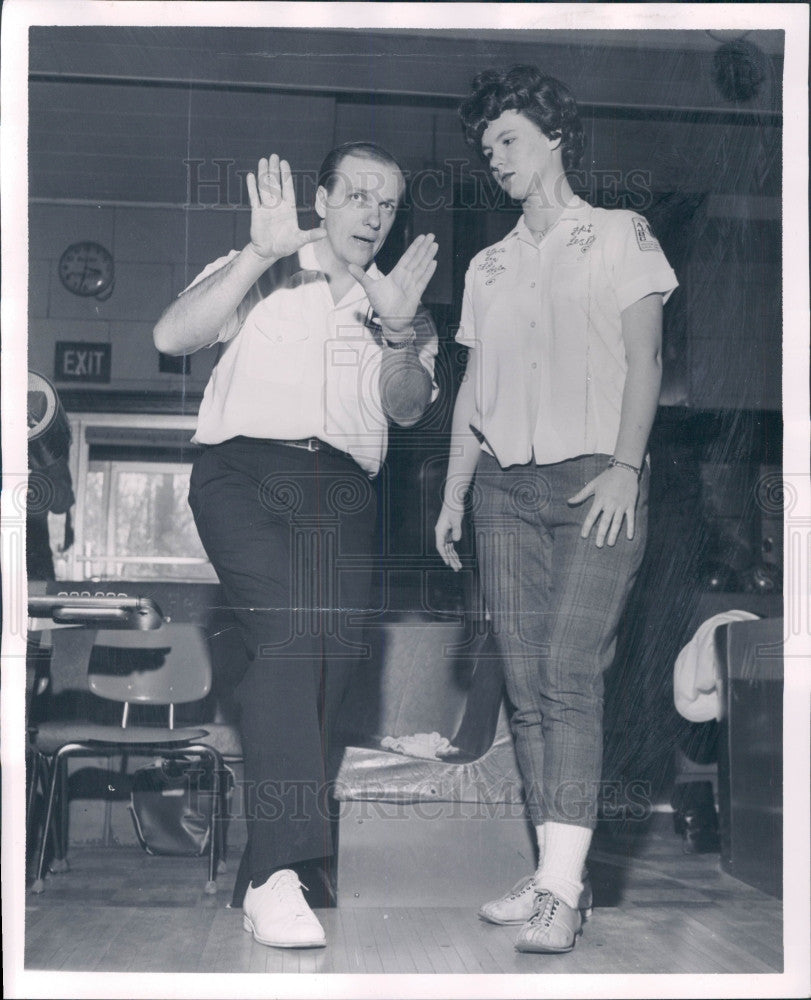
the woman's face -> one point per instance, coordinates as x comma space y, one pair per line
519, 154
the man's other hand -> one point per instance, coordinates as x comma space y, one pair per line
396, 296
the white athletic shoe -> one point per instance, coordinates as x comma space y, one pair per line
278, 915
519, 904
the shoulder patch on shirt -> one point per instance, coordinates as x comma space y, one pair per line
644, 235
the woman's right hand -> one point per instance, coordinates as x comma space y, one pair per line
275, 230
447, 531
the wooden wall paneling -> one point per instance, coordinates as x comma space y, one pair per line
246, 126
419, 137
150, 234
107, 142
684, 156
612, 66
53, 228
133, 143
173, 235
39, 281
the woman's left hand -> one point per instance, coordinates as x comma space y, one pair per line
615, 492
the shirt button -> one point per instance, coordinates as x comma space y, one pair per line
279, 340
532, 324
534, 364
532, 284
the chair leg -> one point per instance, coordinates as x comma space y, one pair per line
222, 826
215, 759
60, 825
56, 777
39, 880
35, 778
33, 781
215, 819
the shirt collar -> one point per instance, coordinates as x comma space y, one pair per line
309, 262
574, 210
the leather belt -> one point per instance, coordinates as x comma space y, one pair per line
312, 444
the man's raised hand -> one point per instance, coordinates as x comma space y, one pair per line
275, 230
396, 296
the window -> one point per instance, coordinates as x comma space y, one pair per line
132, 518
138, 524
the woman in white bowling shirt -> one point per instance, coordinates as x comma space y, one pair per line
563, 319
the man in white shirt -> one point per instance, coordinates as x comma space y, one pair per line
318, 351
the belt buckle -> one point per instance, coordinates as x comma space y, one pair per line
312, 444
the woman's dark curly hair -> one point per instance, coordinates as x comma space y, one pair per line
544, 100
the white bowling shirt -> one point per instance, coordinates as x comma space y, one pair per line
547, 320
294, 364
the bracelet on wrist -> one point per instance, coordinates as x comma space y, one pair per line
613, 463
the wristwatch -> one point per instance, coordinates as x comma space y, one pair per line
401, 344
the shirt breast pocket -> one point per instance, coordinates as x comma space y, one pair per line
282, 318
277, 341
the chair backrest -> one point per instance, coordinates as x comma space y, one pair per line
169, 665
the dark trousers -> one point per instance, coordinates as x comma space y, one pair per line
290, 534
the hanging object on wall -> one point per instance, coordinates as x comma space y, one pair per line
48, 427
50, 488
86, 268
738, 69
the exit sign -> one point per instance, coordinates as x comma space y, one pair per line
82, 362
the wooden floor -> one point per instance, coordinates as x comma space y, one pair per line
657, 911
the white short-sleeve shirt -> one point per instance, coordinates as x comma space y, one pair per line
294, 364
547, 320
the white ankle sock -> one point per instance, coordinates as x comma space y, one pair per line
563, 861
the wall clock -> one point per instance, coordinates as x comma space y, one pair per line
86, 269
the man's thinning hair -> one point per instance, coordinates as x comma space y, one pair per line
545, 101
331, 167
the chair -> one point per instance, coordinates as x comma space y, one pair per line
164, 666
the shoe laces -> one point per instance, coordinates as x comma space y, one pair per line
547, 908
288, 888
523, 887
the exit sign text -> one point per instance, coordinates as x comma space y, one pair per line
82, 362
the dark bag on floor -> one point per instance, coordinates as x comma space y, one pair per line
171, 805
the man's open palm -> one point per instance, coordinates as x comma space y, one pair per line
275, 230
396, 296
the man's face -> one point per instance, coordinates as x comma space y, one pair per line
518, 153
359, 211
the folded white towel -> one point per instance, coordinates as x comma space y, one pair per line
695, 674
429, 746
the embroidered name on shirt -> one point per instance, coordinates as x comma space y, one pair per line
491, 265
582, 237
644, 235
